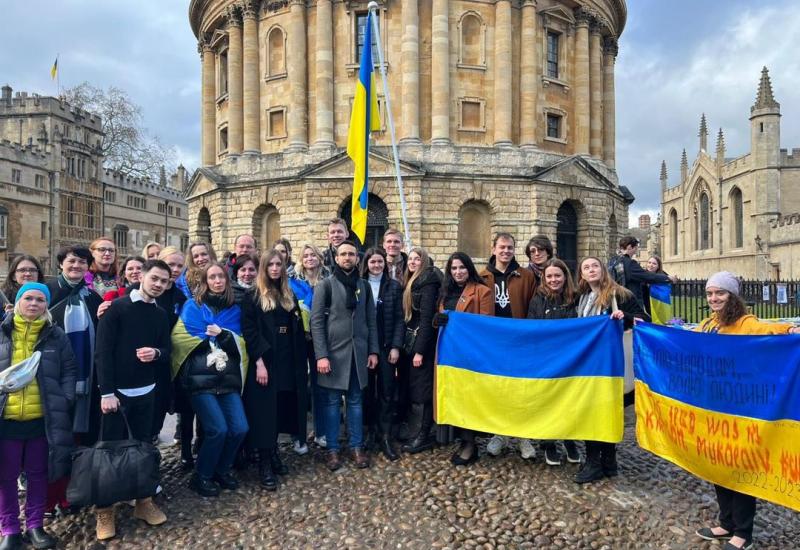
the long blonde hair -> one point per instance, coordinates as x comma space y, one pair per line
608, 286
411, 278
268, 294
305, 274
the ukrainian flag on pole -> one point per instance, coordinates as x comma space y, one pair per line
661, 303
363, 120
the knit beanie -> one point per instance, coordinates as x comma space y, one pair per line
33, 286
724, 280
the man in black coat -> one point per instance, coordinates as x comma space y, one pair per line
635, 275
133, 342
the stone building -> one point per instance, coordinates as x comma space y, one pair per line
504, 111
742, 213
54, 190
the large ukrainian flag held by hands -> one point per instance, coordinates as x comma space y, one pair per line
363, 120
533, 379
725, 408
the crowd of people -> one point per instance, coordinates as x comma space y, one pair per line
243, 346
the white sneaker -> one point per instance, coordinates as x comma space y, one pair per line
300, 448
526, 449
496, 445
321, 441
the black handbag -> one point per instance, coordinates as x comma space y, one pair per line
409, 339
114, 471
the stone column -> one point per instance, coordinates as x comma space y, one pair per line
502, 74
235, 98
529, 57
609, 108
324, 69
596, 86
409, 67
251, 85
582, 95
440, 73
298, 72
208, 103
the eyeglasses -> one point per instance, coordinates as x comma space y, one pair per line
534, 250
106, 250
26, 270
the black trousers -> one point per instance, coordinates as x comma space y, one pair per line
163, 401
601, 452
379, 402
736, 512
139, 412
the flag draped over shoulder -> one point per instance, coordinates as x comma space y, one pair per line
534, 379
190, 332
661, 303
725, 408
363, 120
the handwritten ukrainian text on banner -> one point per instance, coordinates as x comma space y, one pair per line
725, 408
534, 379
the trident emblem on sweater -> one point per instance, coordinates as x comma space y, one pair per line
501, 295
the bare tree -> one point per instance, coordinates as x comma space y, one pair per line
127, 145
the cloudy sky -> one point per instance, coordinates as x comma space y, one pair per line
678, 59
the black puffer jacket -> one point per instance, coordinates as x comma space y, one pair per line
391, 326
56, 377
200, 378
424, 299
545, 307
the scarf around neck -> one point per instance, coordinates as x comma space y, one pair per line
350, 282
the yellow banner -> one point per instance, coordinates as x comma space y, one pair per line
751, 456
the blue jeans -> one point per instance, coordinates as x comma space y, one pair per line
224, 427
355, 422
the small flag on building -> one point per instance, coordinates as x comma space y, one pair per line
54, 69
363, 120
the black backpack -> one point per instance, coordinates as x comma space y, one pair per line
616, 268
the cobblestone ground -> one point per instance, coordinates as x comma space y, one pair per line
422, 502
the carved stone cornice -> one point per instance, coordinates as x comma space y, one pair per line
275, 5
204, 45
250, 9
583, 17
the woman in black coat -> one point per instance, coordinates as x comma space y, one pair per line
275, 389
555, 298
35, 420
599, 294
379, 403
420, 298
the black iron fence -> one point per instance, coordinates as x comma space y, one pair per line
765, 299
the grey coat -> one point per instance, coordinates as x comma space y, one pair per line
342, 335
56, 378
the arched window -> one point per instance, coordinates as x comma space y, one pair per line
204, 225
471, 40
266, 225
121, 239
567, 235
276, 52
613, 235
377, 219
673, 232
703, 222
737, 218
475, 230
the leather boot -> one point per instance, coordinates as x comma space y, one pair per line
269, 480
147, 511
592, 469
106, 523
423, 441
387, 449
277, 464
608, 460
12, 542
41, 539
411, 428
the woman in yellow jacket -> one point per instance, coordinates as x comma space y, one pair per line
35, 419
729, 316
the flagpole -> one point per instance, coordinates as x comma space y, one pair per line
373, 8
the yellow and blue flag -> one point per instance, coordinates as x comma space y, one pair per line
529, 378
363, 120
54, 69
661, 303
190, 331
724, 407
